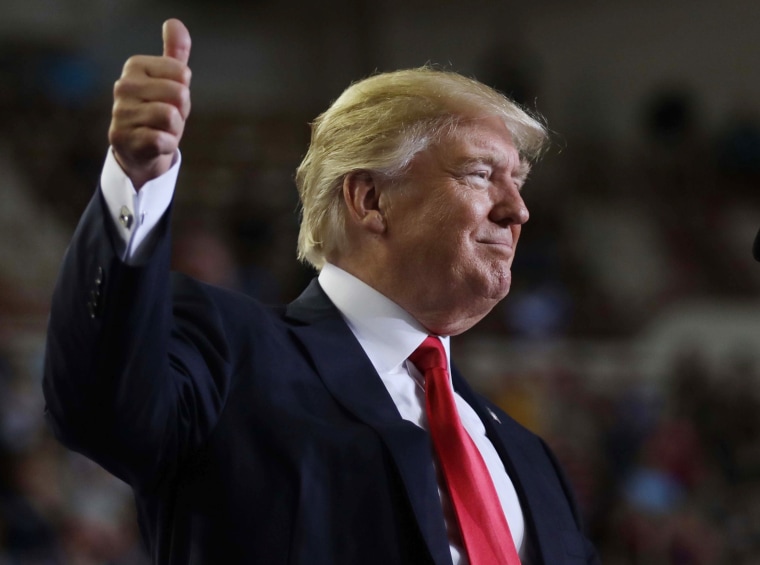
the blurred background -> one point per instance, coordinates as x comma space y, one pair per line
631, 337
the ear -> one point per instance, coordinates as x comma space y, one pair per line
362, 197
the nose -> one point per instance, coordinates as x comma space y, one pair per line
509, 207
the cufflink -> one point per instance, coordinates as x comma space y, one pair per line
125, 217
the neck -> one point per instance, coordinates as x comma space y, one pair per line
444, 321
438, 319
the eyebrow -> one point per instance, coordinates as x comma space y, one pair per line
519, 173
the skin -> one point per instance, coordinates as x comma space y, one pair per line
441, 243
151, 106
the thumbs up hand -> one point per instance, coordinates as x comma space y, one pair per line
151, 106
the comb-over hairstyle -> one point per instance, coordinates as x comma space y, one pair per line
378, 125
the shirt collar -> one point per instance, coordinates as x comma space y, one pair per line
387, 333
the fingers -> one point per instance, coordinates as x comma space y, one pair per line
129, 121
157, 67
151, 105
147, 80
176, 41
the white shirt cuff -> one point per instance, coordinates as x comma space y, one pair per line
136, 213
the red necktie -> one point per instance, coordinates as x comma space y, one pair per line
481, 520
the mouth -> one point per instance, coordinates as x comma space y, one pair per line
506, 245
499, 250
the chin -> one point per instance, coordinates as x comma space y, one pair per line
499, 285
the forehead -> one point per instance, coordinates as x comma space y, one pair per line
479, 138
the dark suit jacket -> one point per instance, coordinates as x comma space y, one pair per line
253, 434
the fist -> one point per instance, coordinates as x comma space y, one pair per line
151, 106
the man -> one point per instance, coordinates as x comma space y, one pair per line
299, 434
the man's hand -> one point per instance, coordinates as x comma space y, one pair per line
151, 105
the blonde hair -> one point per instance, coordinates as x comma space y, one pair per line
378, 125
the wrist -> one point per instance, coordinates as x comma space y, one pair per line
143, 173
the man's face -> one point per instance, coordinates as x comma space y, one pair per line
454, 222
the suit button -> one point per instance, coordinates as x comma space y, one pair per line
94, 303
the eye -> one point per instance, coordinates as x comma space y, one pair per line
483, 174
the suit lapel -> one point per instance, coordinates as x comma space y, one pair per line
520, 462
350, 377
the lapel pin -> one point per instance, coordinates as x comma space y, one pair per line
493, 415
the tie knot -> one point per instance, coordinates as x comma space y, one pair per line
429, 355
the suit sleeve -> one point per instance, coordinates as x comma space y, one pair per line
136, 214
128, 382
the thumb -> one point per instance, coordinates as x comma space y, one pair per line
176, 40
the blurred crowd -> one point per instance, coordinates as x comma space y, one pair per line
667, 470
666, 473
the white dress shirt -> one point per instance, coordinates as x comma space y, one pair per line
387, 333
136, 213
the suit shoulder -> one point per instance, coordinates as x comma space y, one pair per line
192, 297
